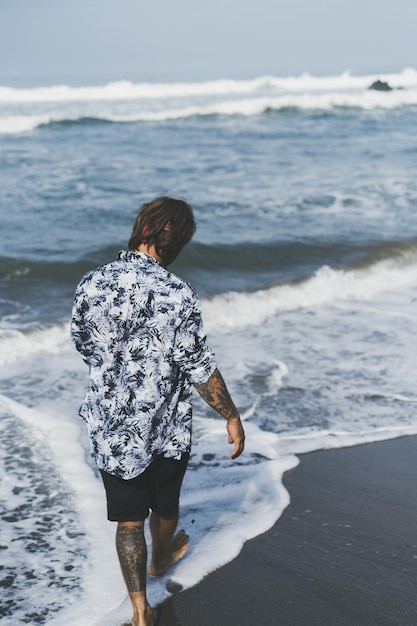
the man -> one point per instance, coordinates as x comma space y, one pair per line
139, 329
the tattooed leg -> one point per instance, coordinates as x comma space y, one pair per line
132, 553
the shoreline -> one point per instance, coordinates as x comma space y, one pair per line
343, 553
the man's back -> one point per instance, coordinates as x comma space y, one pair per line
139, 329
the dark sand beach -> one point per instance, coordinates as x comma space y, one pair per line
344, 553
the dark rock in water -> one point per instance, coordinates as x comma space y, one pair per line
173, 587
379, 85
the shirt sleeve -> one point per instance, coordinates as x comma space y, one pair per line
82, 327
191, 353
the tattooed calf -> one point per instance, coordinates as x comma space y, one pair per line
132, 553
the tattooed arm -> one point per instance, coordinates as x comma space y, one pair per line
215, 393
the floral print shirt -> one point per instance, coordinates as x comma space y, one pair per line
139, 329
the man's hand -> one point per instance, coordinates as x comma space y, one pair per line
236, 436
216, 394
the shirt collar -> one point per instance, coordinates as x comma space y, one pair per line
146, 260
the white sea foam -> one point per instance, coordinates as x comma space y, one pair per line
62, 437
238, 310
15, 124
368, 100
23, 110
127, 90
301, 443
15, 344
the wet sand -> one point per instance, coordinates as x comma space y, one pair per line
344, 553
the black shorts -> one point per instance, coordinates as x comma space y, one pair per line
157, 488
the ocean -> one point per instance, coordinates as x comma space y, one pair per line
305, 257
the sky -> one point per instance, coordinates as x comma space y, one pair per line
93, 41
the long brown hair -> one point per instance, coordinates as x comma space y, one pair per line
166, 223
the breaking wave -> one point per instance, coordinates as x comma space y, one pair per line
126, 102
127, 90
233, 310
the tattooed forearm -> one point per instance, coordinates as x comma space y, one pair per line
215, 393
205, 393
132, 553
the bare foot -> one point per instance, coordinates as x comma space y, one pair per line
177, 549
